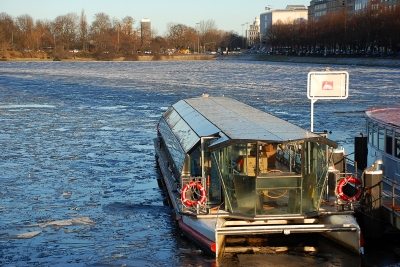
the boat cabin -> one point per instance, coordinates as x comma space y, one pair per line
383, 128
253, 162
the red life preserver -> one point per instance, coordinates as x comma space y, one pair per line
189, 202
343, 182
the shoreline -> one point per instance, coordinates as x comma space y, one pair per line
357, 61
120, 59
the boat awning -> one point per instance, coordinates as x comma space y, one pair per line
387, 116
233, 122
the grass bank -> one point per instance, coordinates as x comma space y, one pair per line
42, 56
326, 61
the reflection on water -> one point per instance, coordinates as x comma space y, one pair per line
77, 172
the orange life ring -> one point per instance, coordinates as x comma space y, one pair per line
193, 185
343, 182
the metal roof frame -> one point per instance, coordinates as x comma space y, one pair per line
237, 122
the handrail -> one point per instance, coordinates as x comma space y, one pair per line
222, 180
393, 196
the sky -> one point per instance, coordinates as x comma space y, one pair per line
227, 15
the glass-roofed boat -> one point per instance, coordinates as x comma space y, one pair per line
231, 170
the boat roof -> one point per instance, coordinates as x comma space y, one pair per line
389, 115
235, 122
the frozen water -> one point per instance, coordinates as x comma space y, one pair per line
77, 170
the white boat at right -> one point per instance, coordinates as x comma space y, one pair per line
383, 128
380, 148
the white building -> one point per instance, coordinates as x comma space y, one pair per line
291, 13
254, 33
145, 30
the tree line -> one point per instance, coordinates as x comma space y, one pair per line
106, 37
371, 29
367, 31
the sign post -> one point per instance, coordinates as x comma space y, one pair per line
326, 85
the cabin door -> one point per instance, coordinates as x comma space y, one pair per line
210, 172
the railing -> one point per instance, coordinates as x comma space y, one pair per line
194, 189
355, 171
394, 198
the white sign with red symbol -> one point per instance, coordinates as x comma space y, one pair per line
328, 85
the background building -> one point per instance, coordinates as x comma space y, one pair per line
145, 31
292, 13
320, 8
254, 33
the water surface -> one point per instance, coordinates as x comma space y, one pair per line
77, 170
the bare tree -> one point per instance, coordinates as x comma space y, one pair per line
159, 45
65, 30
127, 25
179, 35
25, 25
101, 23
100, 31
7, 28
3, 43
209, 34
128, 40
83, 31
43, 36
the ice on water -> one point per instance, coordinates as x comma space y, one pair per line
77, 166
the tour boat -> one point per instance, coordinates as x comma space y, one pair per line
236, 176
381, 148
383, 130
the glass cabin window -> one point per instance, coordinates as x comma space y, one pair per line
261, 178
397, 145
210, 172
171, 117
315, 170
186, 136
195, 163
289, 157
176, 153
381, 138
267, 157
238, 159
389, 142
375, 135
370, 131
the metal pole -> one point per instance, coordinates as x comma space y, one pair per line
247, 26
118, 38
198, 39
312, 114
242, 37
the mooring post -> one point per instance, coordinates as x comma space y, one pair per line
372, 204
